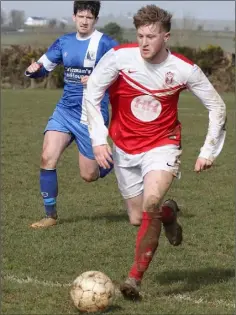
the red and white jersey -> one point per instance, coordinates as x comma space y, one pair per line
144, 99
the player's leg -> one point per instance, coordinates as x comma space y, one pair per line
56, 139
135, 212
89, 169
130, 183
166, 158
135, 209
156, 185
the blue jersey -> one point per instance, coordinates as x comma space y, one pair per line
79, 57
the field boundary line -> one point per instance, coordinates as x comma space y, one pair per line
187, 298
177, 297
34, 281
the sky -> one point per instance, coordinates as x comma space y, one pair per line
204, 10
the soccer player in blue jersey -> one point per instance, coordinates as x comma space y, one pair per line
79, 52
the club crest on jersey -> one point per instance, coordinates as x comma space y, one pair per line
169, 77
90, 55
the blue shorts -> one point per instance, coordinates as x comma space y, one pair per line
67, 120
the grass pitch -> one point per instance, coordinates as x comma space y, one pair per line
94, 234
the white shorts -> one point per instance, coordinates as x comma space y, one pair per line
130, 169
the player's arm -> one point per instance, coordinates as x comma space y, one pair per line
104, 74
200, 86
47, 62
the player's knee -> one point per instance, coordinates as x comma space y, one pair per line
135, 219
89, 176
47, 161
152, 204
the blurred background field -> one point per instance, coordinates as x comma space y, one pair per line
24, 38
182, 37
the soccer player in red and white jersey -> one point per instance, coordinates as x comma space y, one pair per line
144, 82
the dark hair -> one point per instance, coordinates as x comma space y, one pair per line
92, 6
151, 14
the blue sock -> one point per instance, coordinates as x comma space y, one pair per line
49, 190
105, 171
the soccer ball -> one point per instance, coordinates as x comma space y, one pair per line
92, 291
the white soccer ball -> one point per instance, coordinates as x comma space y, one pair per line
92, 291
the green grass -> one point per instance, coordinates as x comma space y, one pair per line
195, 39
94, 234
34, 39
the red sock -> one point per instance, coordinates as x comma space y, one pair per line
167, 214
146, 244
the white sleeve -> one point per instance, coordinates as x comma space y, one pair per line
104, 74
200, 86
48, 64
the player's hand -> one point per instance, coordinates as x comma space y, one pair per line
202, 165
102, 155
34, 67
84, 80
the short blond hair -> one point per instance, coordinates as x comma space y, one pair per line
151, 14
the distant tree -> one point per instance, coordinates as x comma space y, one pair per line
17, 19
200, 27
62, 25
114, 30
52, 23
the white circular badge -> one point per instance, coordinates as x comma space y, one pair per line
146, 107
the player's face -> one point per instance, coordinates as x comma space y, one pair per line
151, 40
85, 22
